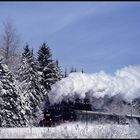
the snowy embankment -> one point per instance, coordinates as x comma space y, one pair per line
74, 130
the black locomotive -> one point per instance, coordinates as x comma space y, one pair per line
62, 112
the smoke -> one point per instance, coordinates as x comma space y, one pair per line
125, 82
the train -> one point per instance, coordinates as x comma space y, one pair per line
64, 111
68, 111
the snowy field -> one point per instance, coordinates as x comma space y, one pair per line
74, 130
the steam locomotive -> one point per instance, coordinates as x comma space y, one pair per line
64, 111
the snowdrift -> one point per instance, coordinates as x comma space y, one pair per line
74, 130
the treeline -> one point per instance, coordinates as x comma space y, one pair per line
25, 80
22, 95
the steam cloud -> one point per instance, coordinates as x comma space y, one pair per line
125, 81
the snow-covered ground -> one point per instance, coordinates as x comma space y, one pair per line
74, 130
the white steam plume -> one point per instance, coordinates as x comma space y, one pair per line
125, 81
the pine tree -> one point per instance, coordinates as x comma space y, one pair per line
50, 75
32, 91
49, 70
65, 74
82, 70
75, 70
59, 74
44, 56
11, 113
72, 69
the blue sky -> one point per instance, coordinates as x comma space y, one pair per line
90, 35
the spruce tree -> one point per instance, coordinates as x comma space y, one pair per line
75, 70
11, 113
82, 70
50, 75
65, 74
72, 69
32, 91
49, 70
44, 56
59, 74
